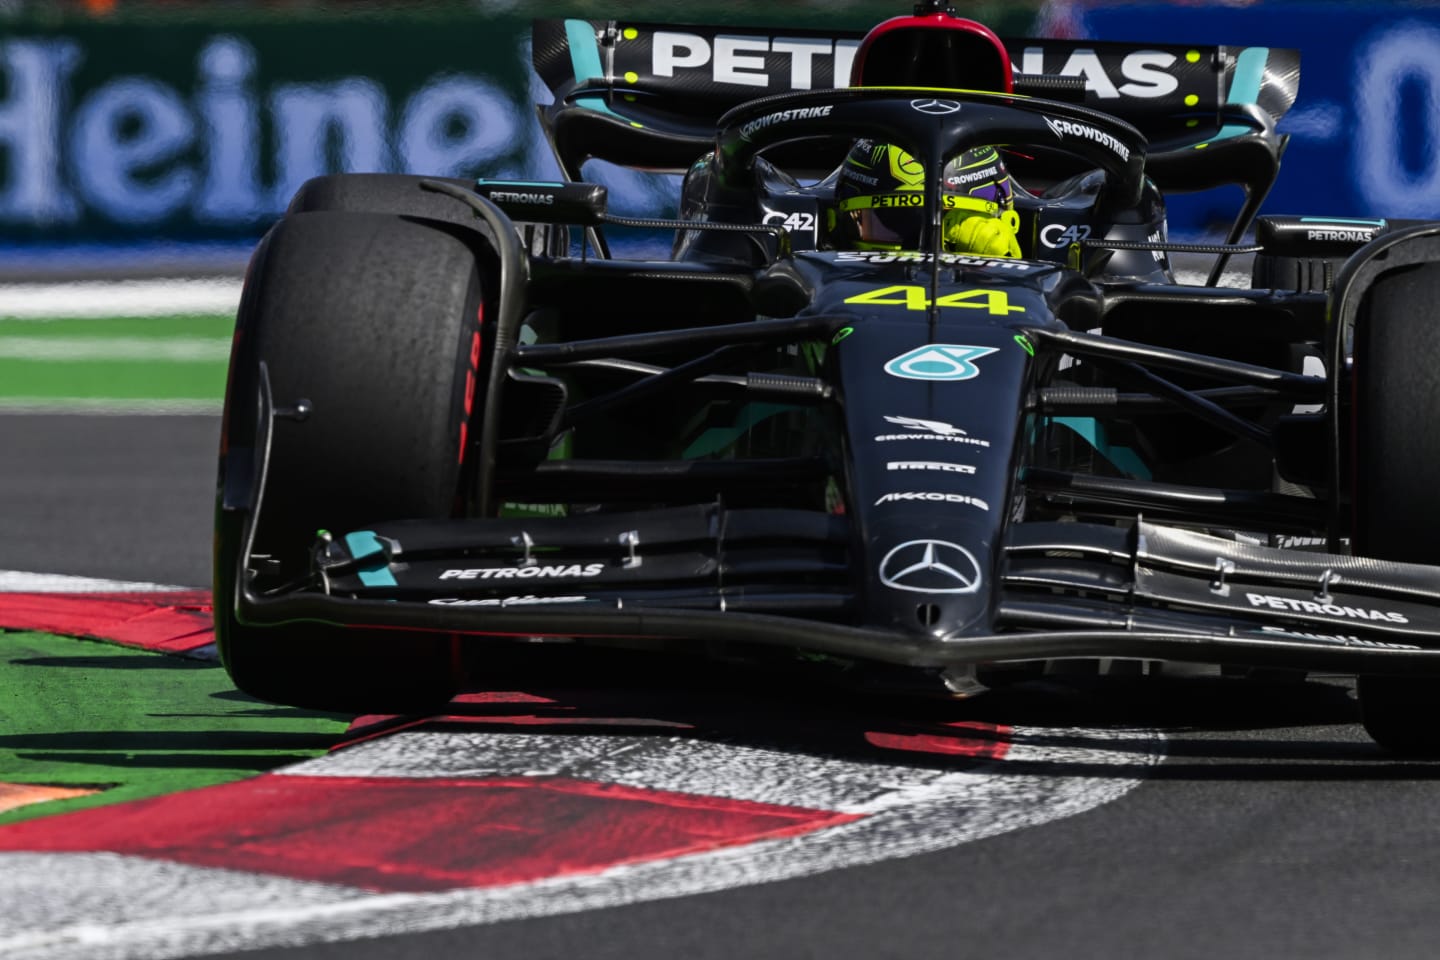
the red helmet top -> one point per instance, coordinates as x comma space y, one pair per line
933, 48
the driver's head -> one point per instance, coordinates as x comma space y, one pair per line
880, 199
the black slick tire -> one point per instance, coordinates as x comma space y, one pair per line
1397, 474
374, 321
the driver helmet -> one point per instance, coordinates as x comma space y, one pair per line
880, 197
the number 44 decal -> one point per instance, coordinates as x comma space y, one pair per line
914, 298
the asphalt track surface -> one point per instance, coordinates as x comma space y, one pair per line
1271, 828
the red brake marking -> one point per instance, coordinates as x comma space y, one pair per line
512, 697
175, 622
988, 740
417, 835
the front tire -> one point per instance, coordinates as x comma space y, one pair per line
1397, 474
375, 321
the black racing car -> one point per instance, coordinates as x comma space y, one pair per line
454, 419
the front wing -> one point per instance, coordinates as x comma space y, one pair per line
783, 578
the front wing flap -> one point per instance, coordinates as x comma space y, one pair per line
785, 578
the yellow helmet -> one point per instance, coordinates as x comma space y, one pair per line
880, 196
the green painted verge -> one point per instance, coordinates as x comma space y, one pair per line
158, 327
152, 358
80, 713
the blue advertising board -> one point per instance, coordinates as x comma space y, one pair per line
196, 132
1365, 130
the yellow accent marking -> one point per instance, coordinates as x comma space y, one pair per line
911, 200
1201, 146
1192, 56
913, 298
986, 93
631, 76
635, 124
882, 201
1191, 99
1192, 123
629, 98
990, 157
952, 201
997, 302
630, 33
909, 179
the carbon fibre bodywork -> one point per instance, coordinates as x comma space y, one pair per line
910, 457
1046, 554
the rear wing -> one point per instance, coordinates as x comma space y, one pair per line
649, 95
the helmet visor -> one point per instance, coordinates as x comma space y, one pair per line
894, 220
897, 220
891, 228
995, 192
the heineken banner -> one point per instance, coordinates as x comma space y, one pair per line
192, 130
200, 128
130, 132
122, 131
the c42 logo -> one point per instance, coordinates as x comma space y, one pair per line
914, 298
792, 221
1058, 235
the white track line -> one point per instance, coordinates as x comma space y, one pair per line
109, 406
19, 581
1048, 775
109, 349
122, 298
101, 906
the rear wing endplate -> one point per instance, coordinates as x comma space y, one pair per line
649, 95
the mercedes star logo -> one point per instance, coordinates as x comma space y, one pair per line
930, 566
936, 108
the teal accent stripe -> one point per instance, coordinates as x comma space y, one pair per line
1249, 72
1089, 430
715, 439
363, 545
597, 104
482, 182
1245, 88
585, 61
584, 51
1366, 223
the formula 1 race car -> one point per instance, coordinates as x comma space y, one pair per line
455, 421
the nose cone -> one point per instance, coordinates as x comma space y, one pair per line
933, 417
